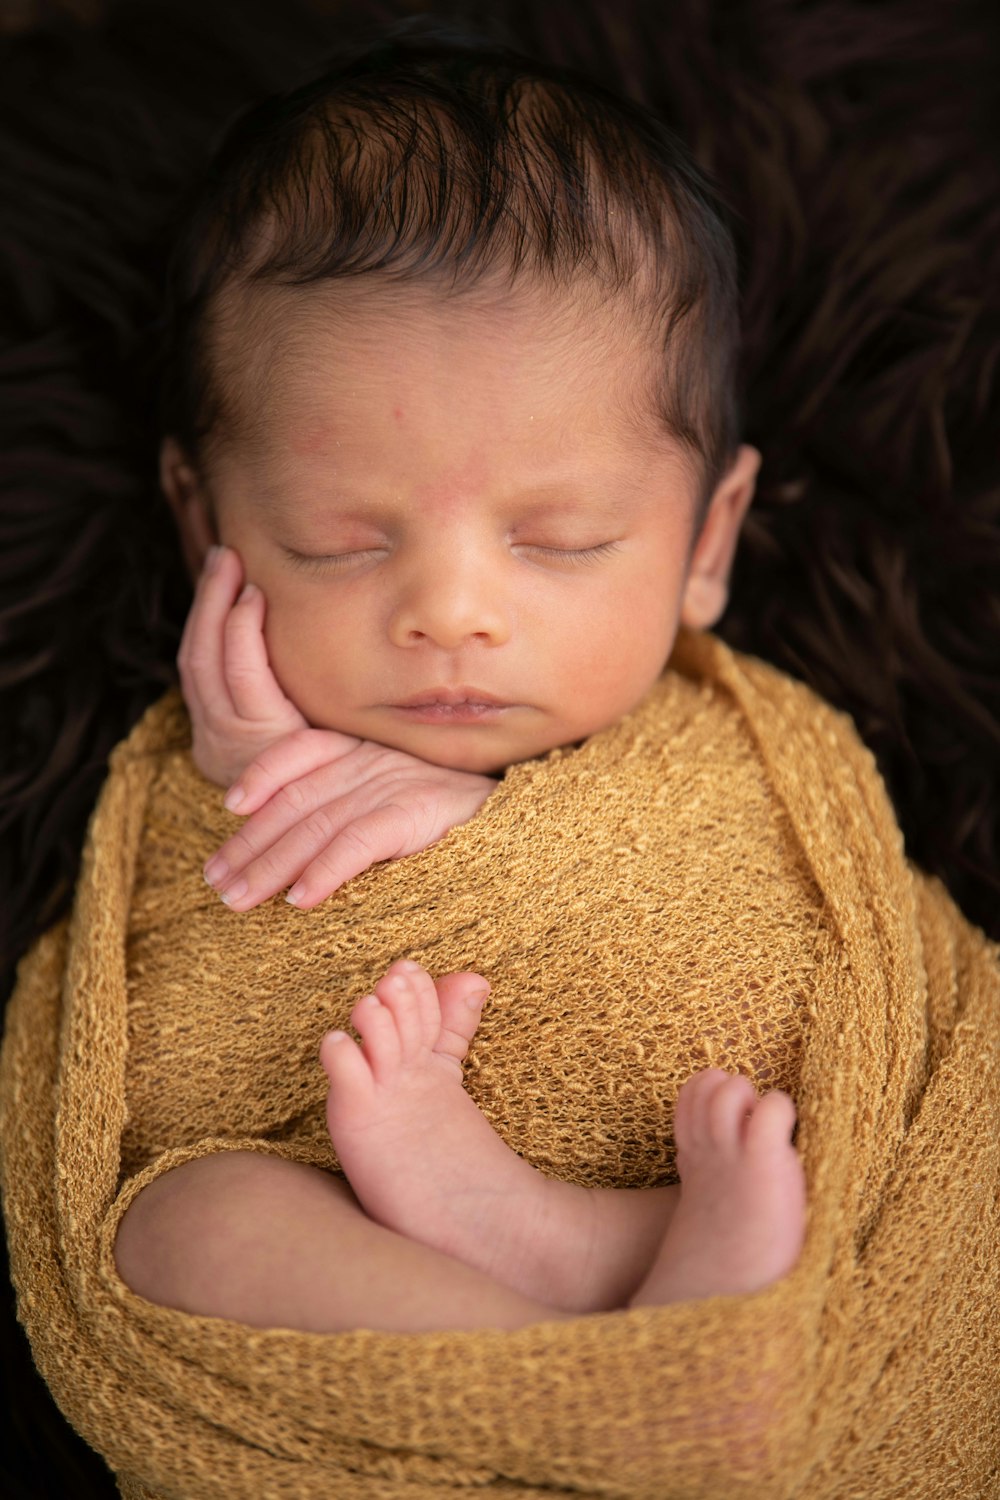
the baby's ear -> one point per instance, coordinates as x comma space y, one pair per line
706, 592
186, 497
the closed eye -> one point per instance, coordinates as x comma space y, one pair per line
336, 561
571, 554
332, 561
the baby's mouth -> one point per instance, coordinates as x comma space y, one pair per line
453, 713
453, 696
453, 706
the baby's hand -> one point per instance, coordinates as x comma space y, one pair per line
322, 807
237, 708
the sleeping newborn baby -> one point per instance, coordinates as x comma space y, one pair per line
474, 491
473, 1164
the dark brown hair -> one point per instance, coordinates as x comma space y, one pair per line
432, 159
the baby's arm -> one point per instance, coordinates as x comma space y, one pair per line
321, 806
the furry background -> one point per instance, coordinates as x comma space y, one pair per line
859, 144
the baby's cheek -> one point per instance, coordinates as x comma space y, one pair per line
608, 671
303, 659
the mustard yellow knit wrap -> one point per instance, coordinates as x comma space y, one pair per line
717, 880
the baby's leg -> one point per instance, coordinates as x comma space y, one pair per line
425, 1162
740, 1221
270, 1243
277, 1244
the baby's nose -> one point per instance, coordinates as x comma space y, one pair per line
450, 607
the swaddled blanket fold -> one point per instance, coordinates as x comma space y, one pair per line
718, 880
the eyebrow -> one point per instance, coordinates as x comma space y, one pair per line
554, 498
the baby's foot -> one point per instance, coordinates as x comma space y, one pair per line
740, 1221
419, 1155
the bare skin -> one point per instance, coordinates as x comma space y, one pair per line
441, 1225
424, 1161
740, 1222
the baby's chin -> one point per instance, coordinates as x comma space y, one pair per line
453, 755
480, 751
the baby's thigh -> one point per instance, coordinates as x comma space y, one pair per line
235, 1234
277, 1244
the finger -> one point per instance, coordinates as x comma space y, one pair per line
305, 753
252, 686
287, 813
320, 853
384, 833
244, 880
200, 658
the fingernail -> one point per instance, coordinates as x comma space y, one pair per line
235, 892
474, 1002
408, 965
216, 870
233, 798
213, 557
295, 895
250, 592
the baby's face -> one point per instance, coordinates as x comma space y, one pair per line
468, 549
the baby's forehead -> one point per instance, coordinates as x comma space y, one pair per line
420, 396
275, 351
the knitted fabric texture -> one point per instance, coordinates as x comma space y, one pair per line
717, 880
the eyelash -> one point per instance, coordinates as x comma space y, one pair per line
337, 560
578, 554
320, 564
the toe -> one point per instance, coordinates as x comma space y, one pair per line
408, 992
772, 1122
691, 1118
728, 1111
376, 1026
347, 1071
461, 998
